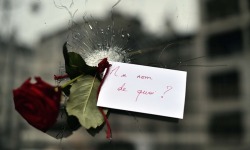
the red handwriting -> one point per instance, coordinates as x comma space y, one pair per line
167, 89
143, 92
115, 71
123, 75
122, 88
144, 77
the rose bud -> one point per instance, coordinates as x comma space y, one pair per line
38, 103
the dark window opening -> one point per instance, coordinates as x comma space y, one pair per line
118, 145
224, 85
225, 44
248, 4
216, 9
160, 146
226, 126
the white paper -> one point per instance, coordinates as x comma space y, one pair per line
144, 89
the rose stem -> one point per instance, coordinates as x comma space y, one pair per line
70, 81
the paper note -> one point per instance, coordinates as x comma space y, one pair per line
144, 89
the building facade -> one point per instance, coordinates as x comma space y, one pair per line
216, 113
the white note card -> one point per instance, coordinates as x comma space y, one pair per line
144, 89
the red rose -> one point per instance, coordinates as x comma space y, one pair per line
38, 103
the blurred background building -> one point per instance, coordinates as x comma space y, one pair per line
216, 57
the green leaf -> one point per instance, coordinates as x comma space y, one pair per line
73, 123
75, 65
82, 102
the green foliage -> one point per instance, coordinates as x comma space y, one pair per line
73, 122
82, 102
75, 65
